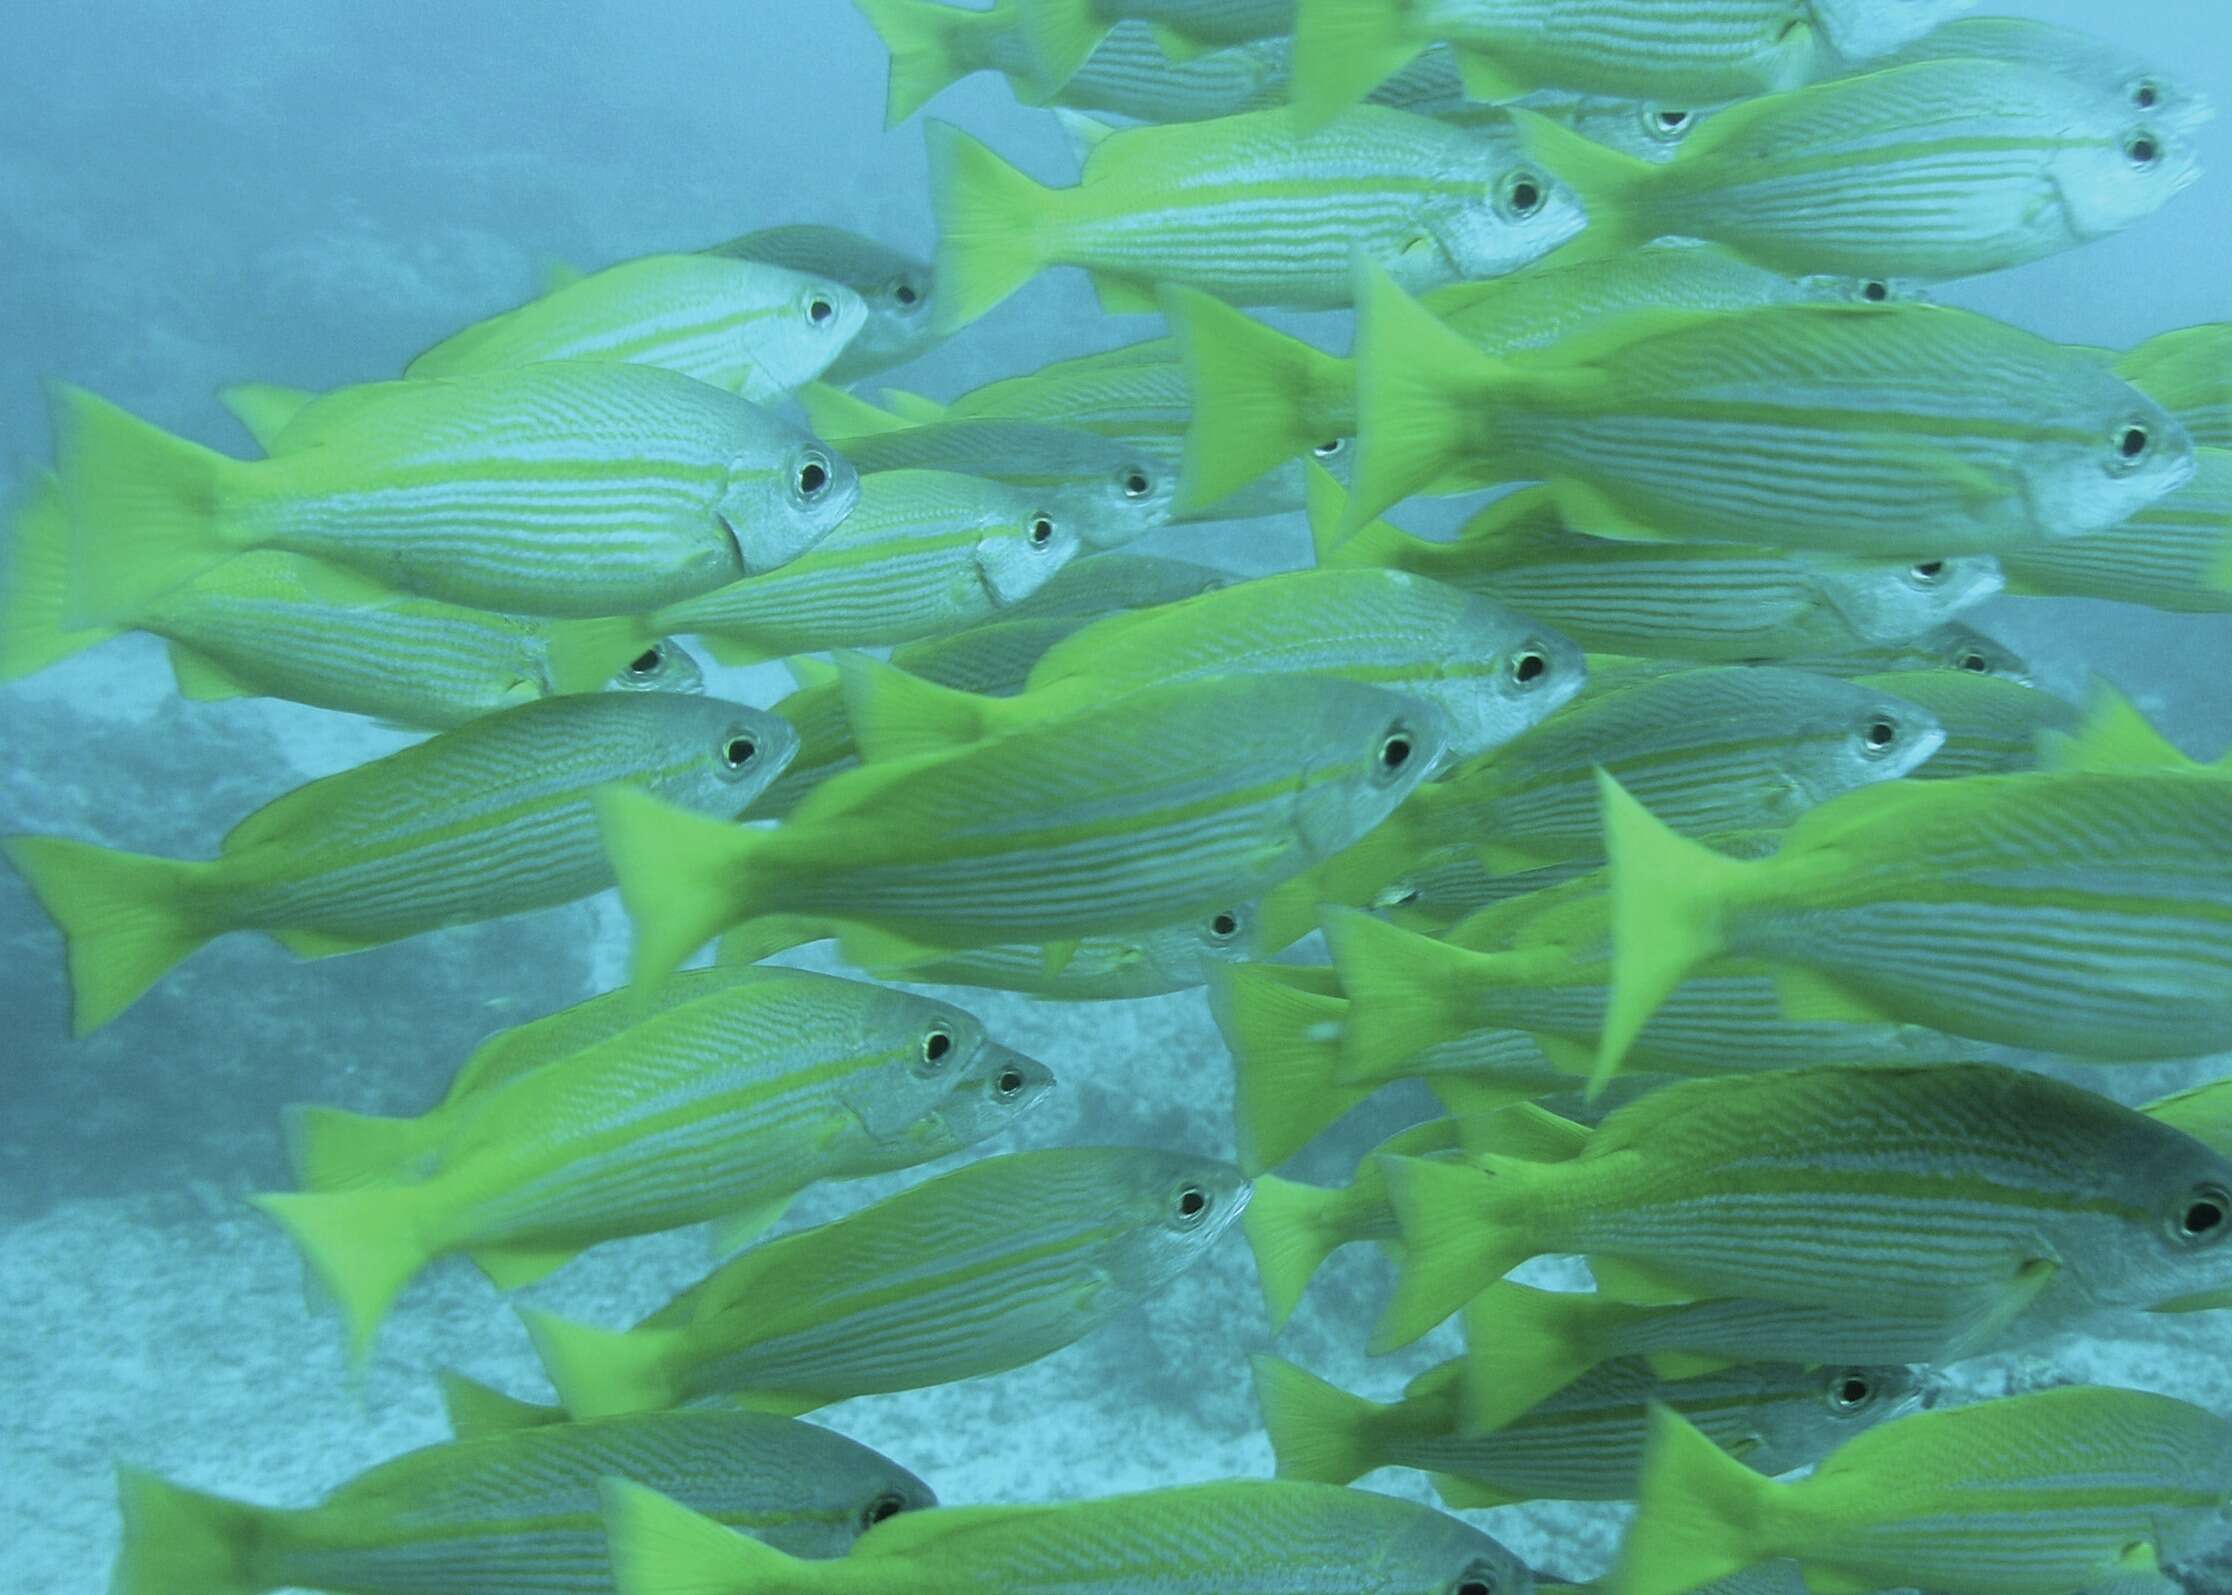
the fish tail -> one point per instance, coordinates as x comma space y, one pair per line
678, 875
1613, 187
1700, 1515
1344, 49
1376, 546
146, 506
1405, 991
584, 655
1457, 1240
1416, 381
991, 226
603, 1372
661, 1547
363, 1246
895, 715
475, 1409
331, 1149
1667, 912
1523, 1346
923, 40
125, 918
1351, 878
1319, 1432
184, 1542
35, 600
1285, 1041
1291, 1228
1060, 35
834, 413
1255, 396
264, 408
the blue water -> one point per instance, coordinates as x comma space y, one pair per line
193, 194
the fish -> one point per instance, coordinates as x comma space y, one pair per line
660, 665
1952, 645
2203, 1112
755, 330
276, 625
1236, 208
1715, 603
1102, 968
989, 1267
488, 819
2176, 554
932, 46
668, 488
1747, 427
922, 553
896, 289
1064, 35
1720, 748
2112, 737
1992, 726
1261, 397
1931, 171
1168, 803
1963, 905
1700, 54
1096, 585
2104, 1483
718, 1107
2186, 371
1265, 1536
1969, 1192
515, 1509
2097, 64
1490, 672
1584, 1443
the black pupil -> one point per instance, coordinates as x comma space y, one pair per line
1875, 292
883, 1506
1474, 1586
1975, 662
1525, 196
1224, 924
2132, 441
1395, 752
1042, 530
739, 751
1932, 571
936, 1045
645, 662
1672, 120
1191, 1202
1135, 484
1333, 447
2203, 1217
2143, 151
1010, 1082
1852, 1392
1530, 667
819, 311
812, 479
906, 294
1880, 734
2144, 96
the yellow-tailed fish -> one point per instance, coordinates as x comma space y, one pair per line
2084, 914
491, 818
1583, 1443
2039, 1494
1902, 431
1263, 1536
1992, 726
560, 489
754, 330
1168, 803
896, 289
2113, 738
1260, 397
922, 553
1065, 34
1712, 602
2175, 554
1697, 54
2097, 64
1101, 968
2203, 1112
513, 1510
1491, 672
1245, 208
1968, 1192
933, 45
989, 1267
2189, 373
721, 1106
1953, 645
1719, 748
1938, 170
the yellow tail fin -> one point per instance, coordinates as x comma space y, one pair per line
331, 1149
125, 918
1377, 546
1344, 49
1259, 397
148, 508
1458, 1239
1523, 1346
184, 1542
991, 227
1061, 35
1292, 1228
584, 655
683, 878
601, 1372
35, 590
264, 408
898, 716
363, 1246
1700, 1515
475, 1409
661, 1547
834, 413
1318, 1431
927, 44
2114, 738
1285, 1040
1406, 992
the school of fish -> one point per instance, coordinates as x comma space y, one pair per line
1666, 820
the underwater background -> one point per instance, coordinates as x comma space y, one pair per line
193, 194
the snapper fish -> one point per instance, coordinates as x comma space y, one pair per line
1951, 645
668, 488
2175, 555
2097, 65
488, 819
1103, 968
518, 1509
896, 290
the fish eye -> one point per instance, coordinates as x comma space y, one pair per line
1928, 572
1849, 1390
1042, 531
739, 751
1008, 1082
1523, 194
644, 663
1529, 666
813, 476
1974, 663
906, 293
2200, 1217
2142, 150
2132, 440
885, 1505
937, 1043
1224, 925
2146, 94
1667, 125
1878, 736
1395, 750
1478, 1579
1326, 451
819, 310
1136, 483
1191, 1206
1875, 290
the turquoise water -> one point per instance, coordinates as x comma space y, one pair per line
192, 195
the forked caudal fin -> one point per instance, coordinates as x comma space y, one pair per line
991, 227
1285, 1040
125, 918
1457, 1240
1700, 1516
661, 1547
681, 875
1344, 49
35, 585
1259, 397
185, 1542
1319, 1432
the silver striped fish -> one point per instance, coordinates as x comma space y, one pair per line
922, 553
1966, 1191
1585, 1442
721, 1106
1954, 645
2176, 554
1991, 726
2098, 64
560, 489
489, 819
2089, 915
992, 1266
896, 289
1102, 968
517, 1510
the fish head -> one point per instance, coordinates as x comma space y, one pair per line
779, 502
999, 1086
2121, 168
1502, 675
1443, 1555
718, 756
1890, 603
1373, 749
1955, 646
1016, 556
664, 665
1880, 737
2104, 452
1649, 130
1171, 1210
2172, 1250
1184, 955
1518, 212
1830, 289
897, 325
885, 1492
817, 321
1116, 506
1824, 1407
1861, 30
